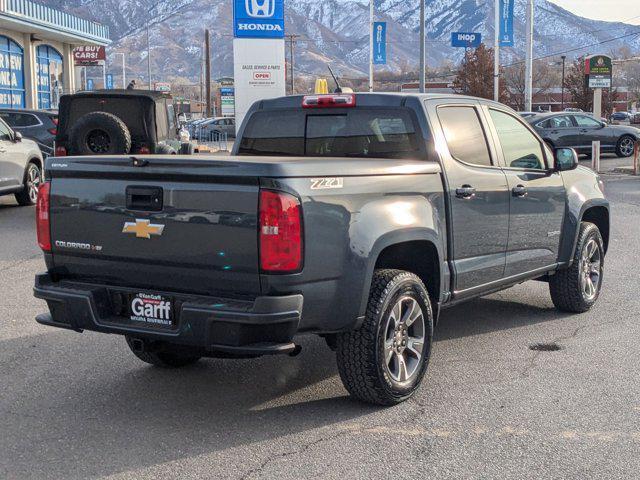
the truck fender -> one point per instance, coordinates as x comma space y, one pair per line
571, 228
377, 228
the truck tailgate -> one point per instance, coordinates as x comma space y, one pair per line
168, 225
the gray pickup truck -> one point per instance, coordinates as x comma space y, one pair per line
356, 217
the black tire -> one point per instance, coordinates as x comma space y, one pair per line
32, 179
162, 359
164, 149
625, 146
187, 148
567, 286
363, 366
100, 133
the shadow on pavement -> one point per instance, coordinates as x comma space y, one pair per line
83, 406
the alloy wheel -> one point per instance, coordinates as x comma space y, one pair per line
626, 147
590, 269
34, 178
404, 340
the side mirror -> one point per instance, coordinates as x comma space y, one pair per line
565, 159
17, 137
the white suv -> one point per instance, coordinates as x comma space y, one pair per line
20, 166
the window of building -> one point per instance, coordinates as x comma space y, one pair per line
11, 74
49, 63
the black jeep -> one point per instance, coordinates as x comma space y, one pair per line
107, 122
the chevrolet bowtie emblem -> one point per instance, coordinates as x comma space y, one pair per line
142, 228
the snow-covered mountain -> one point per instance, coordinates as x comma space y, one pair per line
336, 32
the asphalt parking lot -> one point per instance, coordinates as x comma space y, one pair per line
82, 406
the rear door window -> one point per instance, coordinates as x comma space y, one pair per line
365, 132
464, 134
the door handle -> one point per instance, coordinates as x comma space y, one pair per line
519, 191
465, 191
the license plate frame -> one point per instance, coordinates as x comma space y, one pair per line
151, 310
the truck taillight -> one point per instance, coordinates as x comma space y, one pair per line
144, 150
329, 101
60, 151
43, 223
280, 232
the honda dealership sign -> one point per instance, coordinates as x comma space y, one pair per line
258, 18
258, 53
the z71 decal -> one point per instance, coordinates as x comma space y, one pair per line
323, 183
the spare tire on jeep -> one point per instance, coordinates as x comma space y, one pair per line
99, 133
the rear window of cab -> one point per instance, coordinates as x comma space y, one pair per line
359, 132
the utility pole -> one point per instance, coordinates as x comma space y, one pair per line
528, 70
292, 38
423, 53
148, 57
207, 70
564, 60
371, 45
124, 72
496, 52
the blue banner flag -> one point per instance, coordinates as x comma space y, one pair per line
506, 23
380, 43
109, 81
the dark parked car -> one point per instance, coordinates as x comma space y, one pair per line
38, 125
578, 130
356, 217
111, 122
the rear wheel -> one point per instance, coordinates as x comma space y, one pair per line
32, 179
577, 288
160, 358
384, 361
625, 146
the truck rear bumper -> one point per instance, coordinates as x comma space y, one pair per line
265, 325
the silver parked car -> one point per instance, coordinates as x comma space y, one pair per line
20, 166
217, 127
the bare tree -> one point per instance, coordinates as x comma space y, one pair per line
514, 76
475, 74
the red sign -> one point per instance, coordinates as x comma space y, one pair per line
88, 55
261, 75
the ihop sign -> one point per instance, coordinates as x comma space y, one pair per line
466, 39
258, 18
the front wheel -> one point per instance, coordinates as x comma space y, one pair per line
384, 361
625, 146
577, 288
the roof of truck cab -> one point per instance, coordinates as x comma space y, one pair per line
152, 94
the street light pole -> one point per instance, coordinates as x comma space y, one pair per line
496, 52
149, 57
564, 59
528, 85
423, 53
371, 45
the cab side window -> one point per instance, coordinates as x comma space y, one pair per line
464, 134
521, 149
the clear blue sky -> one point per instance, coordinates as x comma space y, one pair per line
610, 10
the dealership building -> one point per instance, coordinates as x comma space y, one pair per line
36, 52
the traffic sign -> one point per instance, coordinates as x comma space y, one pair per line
466, 39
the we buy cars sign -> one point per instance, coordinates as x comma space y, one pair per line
89, 55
